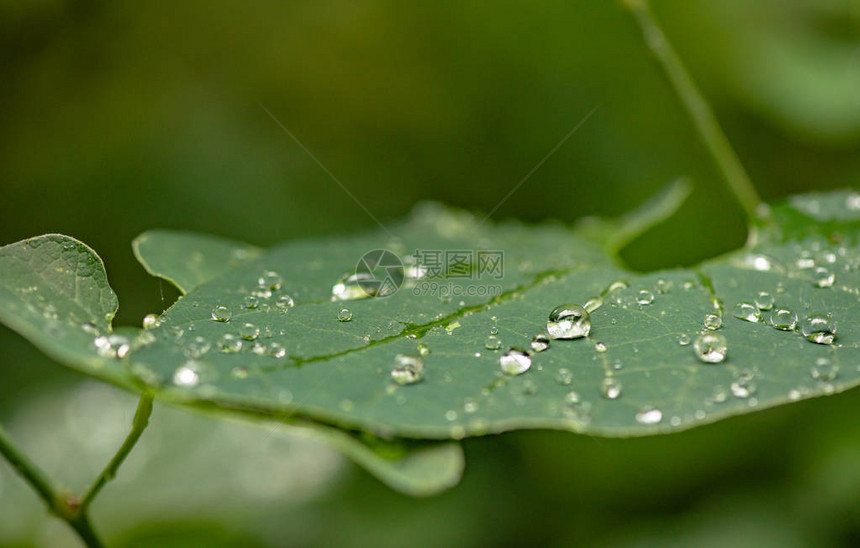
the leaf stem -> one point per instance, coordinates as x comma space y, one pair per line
139, 424
65, 506
697, 108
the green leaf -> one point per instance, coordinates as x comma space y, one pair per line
338, 373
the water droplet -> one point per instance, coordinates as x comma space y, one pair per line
354, 286
344, 314
150, 321
222, 313
683, 339
423, 349
572, 398
568, 321
540, 342
824, 370
270, 280
564, 376
515, 362
197, 347
747, 312
784, 319
252, 301
249, 331
492, 343
230, 343
470, 405
592, 304
600, 347
744, 387
112, 346
610, 388
494, 330
663, 286
818, 328
285, 302
407, 370
645, 297
711, 347
186, 376
764, 300
649, 415
713, 321
239, 372
718, 395
276, 350
822, 277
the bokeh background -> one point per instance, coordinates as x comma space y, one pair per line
117, 117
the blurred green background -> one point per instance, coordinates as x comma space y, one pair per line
117, 117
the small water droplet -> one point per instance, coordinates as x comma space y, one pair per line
564, 376
494, 330
744, 387
764, 300
252, 301
818, 328
230, 343
610, 388
572, 398
186, 376
270, 280
683, 339
249, 331
568, 321
276, 350
663, 286
540, 342
600, 347
239, 372
470, 405
823, 277
718, 395
711, 347
423, 349
592, 304
285, 302
644, 297
408, 369
713, 321
344, 314
784, 319
824, 370
492, 343
747, 312
150, 321
197, 347
222, 313
515, 362
649, 415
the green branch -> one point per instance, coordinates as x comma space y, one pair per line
697, 108
139, 424
67, 507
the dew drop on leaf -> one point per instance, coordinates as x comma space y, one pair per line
230, 343
150, 321
515, 362
784, 319
270, 280
823, 277
284, 303
764, 300
249, 331
649, 415
747, 312
492, 343
568, 321
645, 297
222, 313
344, 314
683, 339
713, 321
711, 347
818, 328
824, 370
610, 388
407, 369
540, 342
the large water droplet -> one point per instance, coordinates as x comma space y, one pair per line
270, 280
540, 342
222, 313
592, 304
747, 312
822, 277
610, 388
354, 286
645, 297
711, 347
249, 331
230, 343
713, 321
150, 321
649, 415
818, 328
407, 369
764, 300
568, 321
784, 319
515, 362
285, 302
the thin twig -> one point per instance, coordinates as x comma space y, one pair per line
697, 108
